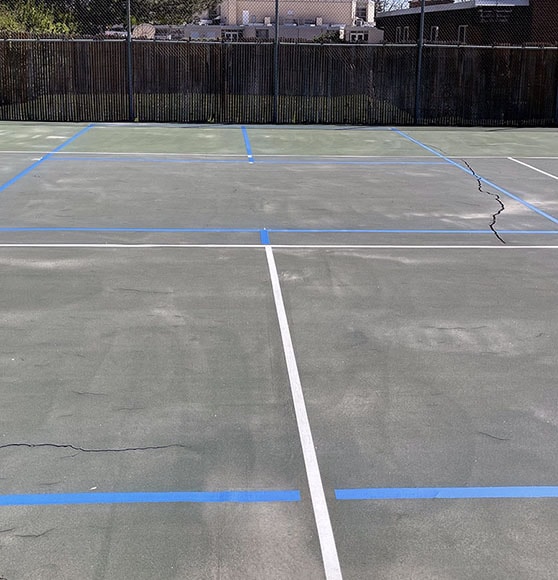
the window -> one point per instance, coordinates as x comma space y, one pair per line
361, 12
462, 34
398, 36
434, 33
231, 35
406, 34
358, 36
262, 33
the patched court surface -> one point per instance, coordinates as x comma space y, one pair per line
278, 352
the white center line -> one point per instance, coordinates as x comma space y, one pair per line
534, 168
285, 246
321, 514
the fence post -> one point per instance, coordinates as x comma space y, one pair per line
420, 45
129, 59
276, 66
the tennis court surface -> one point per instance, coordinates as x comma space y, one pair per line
278, 352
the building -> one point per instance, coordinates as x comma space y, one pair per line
299, 21
298, 12
474, 22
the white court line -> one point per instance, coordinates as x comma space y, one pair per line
338, 156
239, 155
215, 155
36, 152
285, 246
323, 523
493, 157
534, 168
113, 246
404, 247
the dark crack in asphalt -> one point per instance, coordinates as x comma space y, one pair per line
492, 224
494, 216
87, 450
40, 534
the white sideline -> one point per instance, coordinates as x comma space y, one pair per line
288, 246
534, 168
323, 523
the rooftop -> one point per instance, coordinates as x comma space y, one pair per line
464, 5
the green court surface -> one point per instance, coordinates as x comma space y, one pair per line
34, 136
161, 139
490, 142
278, 352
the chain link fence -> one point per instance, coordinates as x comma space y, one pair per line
430, 62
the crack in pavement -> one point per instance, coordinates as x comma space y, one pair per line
492, 224
86, 450
40, 534
479, 182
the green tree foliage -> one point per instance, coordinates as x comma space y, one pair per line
9, 21
33, 16
95, 16
169, 11
332, 37
90, 17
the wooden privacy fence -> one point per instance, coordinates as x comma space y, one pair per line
89, 80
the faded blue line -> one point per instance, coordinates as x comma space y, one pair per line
150, 497
482, 179
44, 158
446, 492
264, 237
247, 144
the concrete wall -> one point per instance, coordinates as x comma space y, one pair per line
295, 11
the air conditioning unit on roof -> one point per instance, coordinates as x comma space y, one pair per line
319, 21
267, 20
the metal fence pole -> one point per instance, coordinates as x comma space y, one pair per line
129, 59
276, 66
420, 45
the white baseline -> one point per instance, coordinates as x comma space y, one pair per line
534, 168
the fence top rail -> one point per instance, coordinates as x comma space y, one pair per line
436, 46
58, 40
490, 46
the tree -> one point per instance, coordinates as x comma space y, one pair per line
9, 21
33, 16
90, 17
95, 16
170, 11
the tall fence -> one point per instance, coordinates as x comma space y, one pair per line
204, 73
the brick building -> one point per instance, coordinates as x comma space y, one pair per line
474, 22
